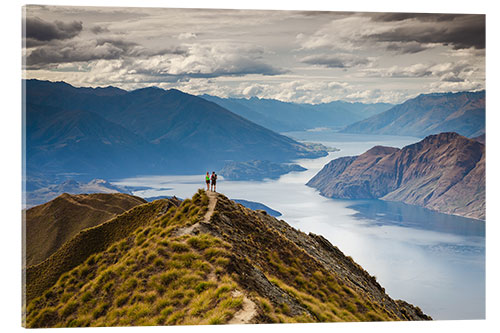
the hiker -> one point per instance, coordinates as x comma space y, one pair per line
214, 181
207, 180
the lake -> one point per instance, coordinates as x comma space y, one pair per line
432, 260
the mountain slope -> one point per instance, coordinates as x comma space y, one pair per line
150, 130
207, 260
444, 172
82, 142
50, 225
284, 116
462, 112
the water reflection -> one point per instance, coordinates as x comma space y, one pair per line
394, 213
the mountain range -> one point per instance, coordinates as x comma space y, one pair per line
205, 260
286, 116
462, 112
109, 132
443, 172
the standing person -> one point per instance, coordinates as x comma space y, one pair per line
207, 180
214, 181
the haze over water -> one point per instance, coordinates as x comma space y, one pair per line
432, 260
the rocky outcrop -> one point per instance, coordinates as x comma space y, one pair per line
444, 172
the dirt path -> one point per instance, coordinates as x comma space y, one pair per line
247, 312
249, 309
212, 200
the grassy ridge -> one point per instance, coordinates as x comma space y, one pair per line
326, 297
89, 241
150, 278
162, 264
50, 225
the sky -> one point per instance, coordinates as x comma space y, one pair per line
294, 56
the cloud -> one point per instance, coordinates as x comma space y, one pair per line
335, 60
406, 48
71, 51
205, 61
392, 17
186, 35
454, 86
460, 31
78, 51
293, 56
398, 32
43, 31
455, 72
97, 29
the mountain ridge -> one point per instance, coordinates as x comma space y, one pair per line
146, 130
426, 114
443, 172
50, 225
202, 261
287, 116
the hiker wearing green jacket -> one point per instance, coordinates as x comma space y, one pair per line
207, 180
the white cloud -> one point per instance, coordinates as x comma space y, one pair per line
186, 35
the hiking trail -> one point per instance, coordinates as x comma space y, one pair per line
249, 309
212, 201
247, 312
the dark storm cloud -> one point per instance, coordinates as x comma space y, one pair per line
334, 61
43, 31
394, 17
66, 52
460, 32
406, 48
233, 70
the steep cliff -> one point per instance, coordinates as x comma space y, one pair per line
443, 172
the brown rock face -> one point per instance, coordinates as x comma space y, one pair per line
444, 172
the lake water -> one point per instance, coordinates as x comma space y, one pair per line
432, 260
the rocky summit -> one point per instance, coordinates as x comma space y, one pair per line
443, 172
204, 260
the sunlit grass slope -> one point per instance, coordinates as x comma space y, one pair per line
162, 263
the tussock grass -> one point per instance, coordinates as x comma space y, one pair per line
150, 276
145, 277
